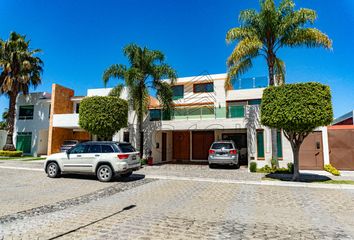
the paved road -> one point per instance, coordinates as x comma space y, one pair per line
138, 208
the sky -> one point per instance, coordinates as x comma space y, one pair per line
81, 38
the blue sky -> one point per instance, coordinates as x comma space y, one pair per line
81, 38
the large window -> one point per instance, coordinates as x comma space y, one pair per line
155, 114
178, 92
77, 108
260, 144
126, 137
203, 87
26, 112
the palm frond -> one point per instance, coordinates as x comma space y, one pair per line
309, 37
114, 71
237, 70
116, 91
246, 48
279, 69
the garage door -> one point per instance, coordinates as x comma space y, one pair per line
201, 142
341, 148
181, 145
24, 142
311, 152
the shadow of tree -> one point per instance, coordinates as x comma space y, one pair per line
304, 177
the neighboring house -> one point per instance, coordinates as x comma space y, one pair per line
3, 135
32, 122
341, 142
346, 119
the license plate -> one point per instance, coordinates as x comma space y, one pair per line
134, 157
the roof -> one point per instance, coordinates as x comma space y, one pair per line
343, 117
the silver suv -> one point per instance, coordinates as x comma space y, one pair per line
105, 159
223, 152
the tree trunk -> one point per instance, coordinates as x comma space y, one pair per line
9, 146
296, 173
140, 119
273, 130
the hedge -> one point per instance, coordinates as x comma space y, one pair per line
10, 153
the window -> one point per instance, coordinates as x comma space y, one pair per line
126, 137
155, 114
77, 108
79, 149
260, 144
279, 144
222, 146
49, 110
254, 102
94, 149
203, 87
26, 112
178, 92
107, 149
126, 147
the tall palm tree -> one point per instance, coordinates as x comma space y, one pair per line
145, 71
264, 33
20, 69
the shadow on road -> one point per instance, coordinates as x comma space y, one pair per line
304, 177
131, 178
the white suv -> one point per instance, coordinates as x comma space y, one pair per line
105, 159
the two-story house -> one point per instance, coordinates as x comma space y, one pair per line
203, 112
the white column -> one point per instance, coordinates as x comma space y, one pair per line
325, 145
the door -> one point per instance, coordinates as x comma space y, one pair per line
24, 142
181, 145
78, 160
311, 152
341, 148
163, 150
201, 142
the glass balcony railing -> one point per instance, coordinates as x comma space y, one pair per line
198, 113
248, 83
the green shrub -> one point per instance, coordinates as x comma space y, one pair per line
329, 168
103, 116
10, 153
253, 167
291, 167
273, 163
143, 161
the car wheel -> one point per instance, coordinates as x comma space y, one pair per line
104, 173
211, 165
53, 170
237, 166
126, 174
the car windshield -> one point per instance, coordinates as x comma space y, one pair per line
222, 146
126, 147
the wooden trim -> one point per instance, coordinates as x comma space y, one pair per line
260, 159
341, 127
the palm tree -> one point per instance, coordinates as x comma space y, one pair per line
264, 33
145, 71
20, 69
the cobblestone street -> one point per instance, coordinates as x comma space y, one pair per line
140, 208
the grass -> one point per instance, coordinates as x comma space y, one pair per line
23, 158
350, 182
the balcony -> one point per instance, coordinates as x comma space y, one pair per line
66, 120
199, 113
250, 83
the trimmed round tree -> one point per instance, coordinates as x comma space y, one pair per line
297, 109
103, 116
